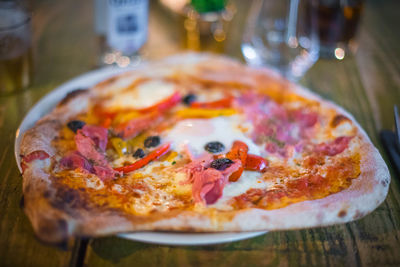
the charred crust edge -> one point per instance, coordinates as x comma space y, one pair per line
54, 229
68, 200
72, 95
338, 119
342, 213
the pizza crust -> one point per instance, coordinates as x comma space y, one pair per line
57, 215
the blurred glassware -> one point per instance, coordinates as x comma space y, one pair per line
206, 25
205, 22
16, 63
283, 35
122, 28
337, 22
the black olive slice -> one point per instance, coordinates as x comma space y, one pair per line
214, 147
221, 164
75, 125
152, 141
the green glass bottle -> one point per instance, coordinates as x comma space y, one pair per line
205, 6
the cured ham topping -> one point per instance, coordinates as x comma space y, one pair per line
208, 184
74, 160
305, 118
275, 126
38, 154
98, 134
197, 165
335, 147
88, 148
135, 126
91, 142
104, 172
222, 103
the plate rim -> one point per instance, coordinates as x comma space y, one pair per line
94, 76
216, 238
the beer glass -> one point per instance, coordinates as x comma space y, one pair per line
281, 34
337, 22
15, 48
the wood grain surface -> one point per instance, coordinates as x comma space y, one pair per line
367, 85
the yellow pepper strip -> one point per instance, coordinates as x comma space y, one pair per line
137, 141
119, 145
205, 113
172, 155
125, 117
67, 133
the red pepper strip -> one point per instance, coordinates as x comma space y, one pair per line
256, 163
163, 105
106, 123
238, 151
38, 154
101, 112
133, 127
106, 117
144, 161
222, 103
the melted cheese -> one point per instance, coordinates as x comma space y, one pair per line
179, 186
144, 95
345, 128
247, 181
196, 133
174, 182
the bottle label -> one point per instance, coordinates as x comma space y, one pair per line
127, 25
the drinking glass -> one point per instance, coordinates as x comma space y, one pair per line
337, 22
281, 34
15, 48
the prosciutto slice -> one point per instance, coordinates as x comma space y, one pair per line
98, 134
74, 160
208, 184
91, 142
135, 126
88, 148
335, 147
278, 128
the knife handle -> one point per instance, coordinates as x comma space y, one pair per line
388, 139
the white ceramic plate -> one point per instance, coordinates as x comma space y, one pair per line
87, 80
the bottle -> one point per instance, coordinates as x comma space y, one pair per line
206, 24
121, 26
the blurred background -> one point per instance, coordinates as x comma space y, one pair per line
70, 37
288, 35
65, 39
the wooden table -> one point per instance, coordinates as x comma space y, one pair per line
367, 85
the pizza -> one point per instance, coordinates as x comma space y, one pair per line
196, 143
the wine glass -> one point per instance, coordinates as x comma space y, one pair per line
283, 35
